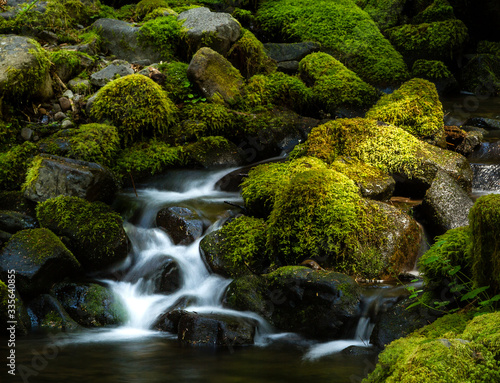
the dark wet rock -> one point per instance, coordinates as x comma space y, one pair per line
39, 258
182, 224
121, 40
359, 351
483, 122
487, 152
214, 76
445, 206
10, 296
290, 52
63, 176
46, 312
210, 29
119, 68
15, 200
4, 237
320, 304
481, 75
200, 329
288, 67
13, 221
90, 305
396, 321
169, 321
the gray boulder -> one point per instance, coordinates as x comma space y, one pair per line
54, 176
182, 224
445, 206
121, 40
116, 68
39, 258
210, 29
24, 68
290, 52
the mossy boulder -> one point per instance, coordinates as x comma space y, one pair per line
10, 300
431, 41
249, 56
446, 350
484, 220
90, 305
436, 72
52, 176
437, 10
319, 304
481, 75
214, 76
144, 7
414, 107
14, 163
96, 235
238, 248
39, 258
385, 13
164, 33
207, 119
24, 69
136, 105
334, 86
213, 152
70, 63
343, 29
412, 163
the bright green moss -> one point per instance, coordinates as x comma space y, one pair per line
449, 350
217, 119
386, 147
386, 13
32, 173
163, 33
439, 10
94, 230
484, 218
357, 171
414, 107
208, 151
248, 55
430, 41
14, 164
176, 83
318, 64
144, 7
136, 105
451, 250
102, 307
70, 61
341, 28
148, 158
430, 70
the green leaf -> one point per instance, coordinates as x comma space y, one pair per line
474, 293
431, 259
455, 270
413, 305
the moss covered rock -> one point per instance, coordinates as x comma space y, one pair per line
10, 300
144, 7
238, 248
136, 105
343, 29
447, 350
484, 220
212, 120
386, 13
14, 163
436, 72
70, 63
162, 32
481, 75
315, 303
39, 258
437, 10
335, 86
90, 305
95, 232
414, 107
213, 152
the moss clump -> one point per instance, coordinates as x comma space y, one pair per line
148, 158
241, 248
386, 13
248, 55
163, 33
96, 232
176, 84
430, 70
213, 151
70, 63
414, 107
14, 164
32, 173
277, 89
449, 350
341, 28
439, 10
481, 75
451, 250
334, 85
489, 48
430, 41
216, 119
136, 105
144, 7
484, 218
386, 147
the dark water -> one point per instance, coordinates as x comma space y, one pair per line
463, 107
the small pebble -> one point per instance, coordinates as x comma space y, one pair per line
59, 116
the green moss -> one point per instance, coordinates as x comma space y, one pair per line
430, 70
176, 83
450, 250
386, 147
52, 320
102, 307
386, 13
144, 7
8, 134
489, 47
148, 158
449, 350
4, 298
414, 107
357, 171
248, 55
216, 119
162, 32
439, 10
14, 164
430, 41
341, 28
136, 105
244, 16
94, 230
334, 85
32, 173
70, 60
481, 75
207, 151
484, 218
